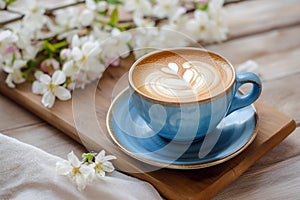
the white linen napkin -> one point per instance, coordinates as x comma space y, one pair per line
27, 172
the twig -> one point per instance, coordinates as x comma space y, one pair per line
50, 11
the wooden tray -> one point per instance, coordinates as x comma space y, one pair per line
172, 184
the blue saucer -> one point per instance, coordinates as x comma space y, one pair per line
133, 136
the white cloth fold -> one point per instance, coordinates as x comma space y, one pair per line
27, 172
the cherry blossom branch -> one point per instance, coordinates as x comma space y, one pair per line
72, 46
48, 12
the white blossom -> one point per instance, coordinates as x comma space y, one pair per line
83, 63
14, 72
34, 18
145, 40
20, 39
66, 22
143, 7
79, 173
140, 21
7, 37
96, 6
7, 40
150, 39
85, 171
217, 15
208, 26
170, 33
166, 8
51, 87
216, 11
102, 164
7, 48
86, 17
199, 26
116, 45
2, 4
50, 65
86, 56
101, 43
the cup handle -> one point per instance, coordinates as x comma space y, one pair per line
243, 100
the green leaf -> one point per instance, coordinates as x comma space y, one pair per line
114, 2
60, 45
31, 67
203, 7
124, 27
101, 22
114, 17
88, 157
9, 2
102, 12
49, 47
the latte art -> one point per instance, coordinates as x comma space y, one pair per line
181, 77
188, 81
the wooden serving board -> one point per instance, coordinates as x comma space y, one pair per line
273, 127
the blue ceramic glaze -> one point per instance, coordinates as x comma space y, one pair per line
187, 122
133, 135
239, 100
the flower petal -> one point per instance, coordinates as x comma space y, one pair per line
91, 48
63, 168
73, 159
80, 181
109, 157
100, 174
100, 156
86, 17
123, 50
38, 87
8, 69
58, 77
44, 78
48, 99
38, 74
18, 77
85, 169
65, 53
69, 69
9, 81
75, 41
19, 64
76, 54
62, 93
108, 166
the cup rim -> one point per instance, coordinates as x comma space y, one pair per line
162, 102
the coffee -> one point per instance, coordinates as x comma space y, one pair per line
182, 75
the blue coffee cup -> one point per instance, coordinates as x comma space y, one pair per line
190, 120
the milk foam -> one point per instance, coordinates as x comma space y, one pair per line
181, 81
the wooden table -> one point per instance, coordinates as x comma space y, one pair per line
265, 31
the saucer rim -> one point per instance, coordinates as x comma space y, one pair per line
170, 165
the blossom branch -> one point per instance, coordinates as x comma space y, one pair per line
70, 46
47, 12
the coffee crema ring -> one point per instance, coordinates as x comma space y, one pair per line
182, 75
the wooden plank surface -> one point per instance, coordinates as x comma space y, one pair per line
277, 52
275, 176
13, 117
251, 17
173, 183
